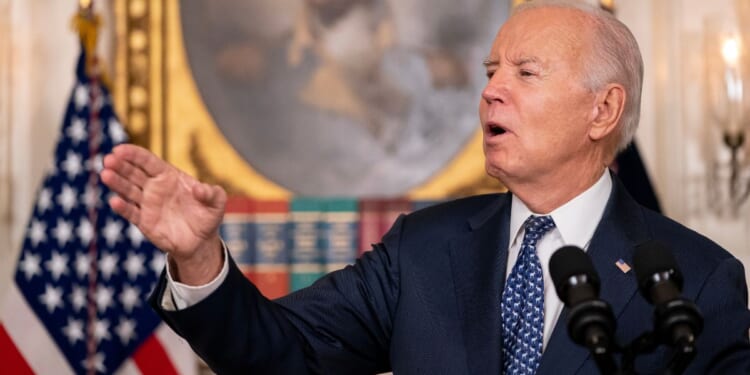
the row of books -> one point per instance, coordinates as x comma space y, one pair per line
285, 245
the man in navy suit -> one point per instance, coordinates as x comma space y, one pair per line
449, 290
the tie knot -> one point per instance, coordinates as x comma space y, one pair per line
538, 225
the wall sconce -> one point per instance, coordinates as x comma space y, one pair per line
728, 109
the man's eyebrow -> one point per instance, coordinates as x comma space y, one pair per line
489, 62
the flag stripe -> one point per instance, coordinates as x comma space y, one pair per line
179, 351
10, 357
128, 368
29, 335
152, 359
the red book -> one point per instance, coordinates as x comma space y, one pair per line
392, 209
376, 216
369, 223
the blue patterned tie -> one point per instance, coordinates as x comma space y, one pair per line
523, 303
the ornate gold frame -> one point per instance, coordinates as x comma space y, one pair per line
159, 102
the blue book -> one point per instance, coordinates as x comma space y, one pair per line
237, 231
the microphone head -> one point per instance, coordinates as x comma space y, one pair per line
570, 261
654, 258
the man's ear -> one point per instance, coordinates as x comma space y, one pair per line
609, 105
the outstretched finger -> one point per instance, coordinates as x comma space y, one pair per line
126, 209
122, 186
141, 158
126, 169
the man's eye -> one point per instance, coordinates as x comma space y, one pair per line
490, 74
526, 73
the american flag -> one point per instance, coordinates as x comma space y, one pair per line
623, 266
78, 304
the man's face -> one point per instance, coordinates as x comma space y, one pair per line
535, 111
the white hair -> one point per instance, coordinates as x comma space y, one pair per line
614, 58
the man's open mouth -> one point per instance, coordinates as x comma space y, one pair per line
496, 129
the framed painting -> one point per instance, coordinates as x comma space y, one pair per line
273, 98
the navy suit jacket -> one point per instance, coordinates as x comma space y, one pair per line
427, 301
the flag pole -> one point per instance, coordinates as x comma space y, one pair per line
87, 24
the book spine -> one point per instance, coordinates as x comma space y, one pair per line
236, 230
340, 233
370, 211
424, 203
391, 210
270, 266
306, 258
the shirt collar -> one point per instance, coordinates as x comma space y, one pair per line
576, 220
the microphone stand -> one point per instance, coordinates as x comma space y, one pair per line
592, 324
647, 343
643, 344
681, 359
602, 354
678, 322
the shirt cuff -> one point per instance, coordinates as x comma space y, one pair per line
179, 296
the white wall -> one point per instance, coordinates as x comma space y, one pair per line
5, 209
38, 51
675, 135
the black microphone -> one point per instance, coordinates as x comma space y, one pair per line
591, 322
677, 321
659, 278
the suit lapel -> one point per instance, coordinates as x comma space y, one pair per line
620, 230
478, 261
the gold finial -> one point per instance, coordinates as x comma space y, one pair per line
608, 5
87, 24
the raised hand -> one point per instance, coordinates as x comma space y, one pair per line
177, 213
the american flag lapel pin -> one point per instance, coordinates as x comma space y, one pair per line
622, 265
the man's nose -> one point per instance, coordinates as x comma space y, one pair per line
495, 90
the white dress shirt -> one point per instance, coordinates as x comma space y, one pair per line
182, 295
575, 223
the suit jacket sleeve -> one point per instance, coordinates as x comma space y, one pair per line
339, 325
